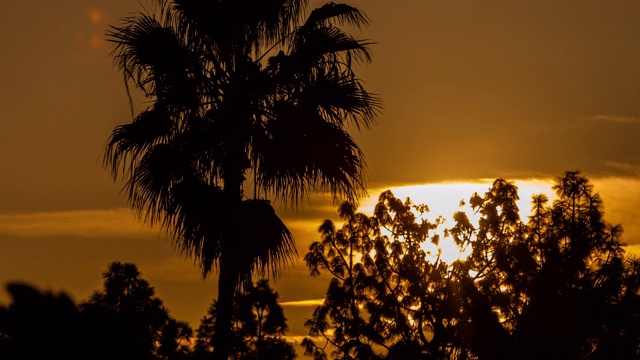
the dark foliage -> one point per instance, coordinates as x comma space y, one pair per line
258, 327
556, 287
137, 324
40, 325
124, 321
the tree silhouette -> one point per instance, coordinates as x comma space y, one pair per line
386, 299
240, 91
556, 282
136, 323
258, 325
39, 325
556, 287
124, 321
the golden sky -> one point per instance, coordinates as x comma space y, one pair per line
472, 90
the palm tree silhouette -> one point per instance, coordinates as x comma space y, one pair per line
242, 94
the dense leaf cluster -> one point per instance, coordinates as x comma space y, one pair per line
558, 286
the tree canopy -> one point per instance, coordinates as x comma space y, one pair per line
557, 286
123, 321
258, 326
128, 312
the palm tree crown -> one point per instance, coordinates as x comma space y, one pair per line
238, 89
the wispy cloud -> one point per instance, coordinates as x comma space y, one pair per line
303, 303
85, 223
615, 119
624, 168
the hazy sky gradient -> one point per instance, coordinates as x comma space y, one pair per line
472, 90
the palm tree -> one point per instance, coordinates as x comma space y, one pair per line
242, 94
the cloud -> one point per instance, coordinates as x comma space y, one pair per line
621, 196
303, 303
119, 222
624, 169
614, 119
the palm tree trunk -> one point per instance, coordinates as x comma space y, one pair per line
228, 276
233, 175
233, 170
227, 280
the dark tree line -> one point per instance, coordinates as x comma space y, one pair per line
125, 320
556, 286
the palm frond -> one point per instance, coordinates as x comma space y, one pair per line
263, 244
315, 45
318, 71
196, 215
303, 153
129, 141
243, 25
153, 57
137, 43
343, 13
342, 99
150, 183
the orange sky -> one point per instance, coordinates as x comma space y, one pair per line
472, 90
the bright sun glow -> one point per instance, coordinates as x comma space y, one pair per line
444, 199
